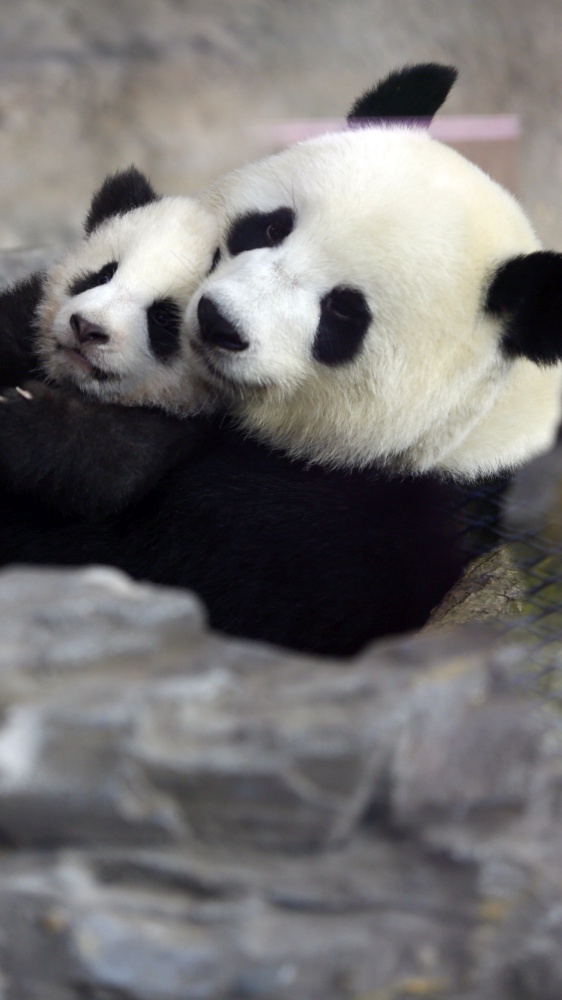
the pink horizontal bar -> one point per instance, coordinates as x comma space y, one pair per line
476, 128
448, 128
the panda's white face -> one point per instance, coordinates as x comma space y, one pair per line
110, 321
347, 316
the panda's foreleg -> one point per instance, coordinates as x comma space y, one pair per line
18, 304
83, 457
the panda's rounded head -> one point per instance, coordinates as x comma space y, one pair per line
110, 318
380, 299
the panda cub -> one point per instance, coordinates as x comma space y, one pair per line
380, 301
104, 324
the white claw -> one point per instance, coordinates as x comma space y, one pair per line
24, 393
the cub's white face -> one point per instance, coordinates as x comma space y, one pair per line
110, 321
346, 317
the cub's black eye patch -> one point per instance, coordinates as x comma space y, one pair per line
344, 320
260, 229
216, 260
164, 326
93, 278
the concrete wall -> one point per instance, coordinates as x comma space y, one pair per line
179, 86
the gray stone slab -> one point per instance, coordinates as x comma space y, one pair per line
186, 816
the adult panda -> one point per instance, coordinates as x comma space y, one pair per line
380, 301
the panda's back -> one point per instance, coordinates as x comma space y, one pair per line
323, 561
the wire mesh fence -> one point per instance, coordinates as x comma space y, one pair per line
523, 517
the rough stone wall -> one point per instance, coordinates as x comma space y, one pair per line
179, 86
189, 818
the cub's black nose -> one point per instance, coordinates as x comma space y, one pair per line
216, 329
86, 332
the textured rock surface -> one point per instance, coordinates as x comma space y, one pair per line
186, 817
182, 86
491, 588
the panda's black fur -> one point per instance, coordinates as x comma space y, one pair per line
120, 193
416, 93
278, 549
18, 305
316, 560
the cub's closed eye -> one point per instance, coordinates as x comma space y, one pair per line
260, 229
165, 315
106, 273
162, 318
92, 279
216, 260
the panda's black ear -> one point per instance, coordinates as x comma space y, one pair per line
413, 92
119, 194
526, 294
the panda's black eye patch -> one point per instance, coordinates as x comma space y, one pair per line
345, 318
93, 278
164, 325
260, 229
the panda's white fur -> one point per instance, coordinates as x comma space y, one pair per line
421, 232
162, 250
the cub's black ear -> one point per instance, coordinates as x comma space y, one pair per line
119, 194
413, 92
526, 293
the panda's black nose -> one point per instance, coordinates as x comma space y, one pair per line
87, 332
216, 329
